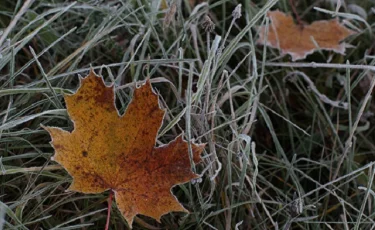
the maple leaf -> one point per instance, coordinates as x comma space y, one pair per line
298, 41
106, 151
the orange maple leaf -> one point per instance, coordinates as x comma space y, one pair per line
108, 151
298, 41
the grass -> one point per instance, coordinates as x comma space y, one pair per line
289, 144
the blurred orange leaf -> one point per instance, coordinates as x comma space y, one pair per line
301, 40
106, 151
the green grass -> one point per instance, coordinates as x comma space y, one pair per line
278, 156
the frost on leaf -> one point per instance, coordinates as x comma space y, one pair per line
108, 151
298, 40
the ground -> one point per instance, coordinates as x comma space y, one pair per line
289, 143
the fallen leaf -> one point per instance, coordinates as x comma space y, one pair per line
163, 5
106, 151
298, 40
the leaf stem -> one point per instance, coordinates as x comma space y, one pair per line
109, 210
299, 21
